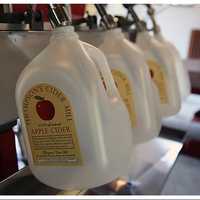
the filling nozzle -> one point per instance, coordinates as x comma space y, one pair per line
151, 13
59, 15
106, 18
139, 24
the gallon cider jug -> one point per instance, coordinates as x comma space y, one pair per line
133, 81
162, 70
72, 126
181, 71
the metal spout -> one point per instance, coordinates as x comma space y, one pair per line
59, 16
106, 18
139, 24
151, 13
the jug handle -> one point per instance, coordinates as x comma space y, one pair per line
102, 66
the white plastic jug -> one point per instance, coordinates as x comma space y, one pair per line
181, 71
133, 81
72, 126
162, 69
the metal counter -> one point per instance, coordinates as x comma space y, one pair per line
24, 183
147, 177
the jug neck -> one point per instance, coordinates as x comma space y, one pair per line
65, 32
114, 33
159, 37
144, 40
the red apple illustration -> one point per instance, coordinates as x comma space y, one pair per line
151, 73
45, 109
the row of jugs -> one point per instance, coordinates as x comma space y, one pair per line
83, 109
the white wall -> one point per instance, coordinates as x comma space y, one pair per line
176, 22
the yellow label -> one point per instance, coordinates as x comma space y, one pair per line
159, 79
50, 125
126, 93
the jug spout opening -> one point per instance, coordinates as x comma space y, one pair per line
64, 31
